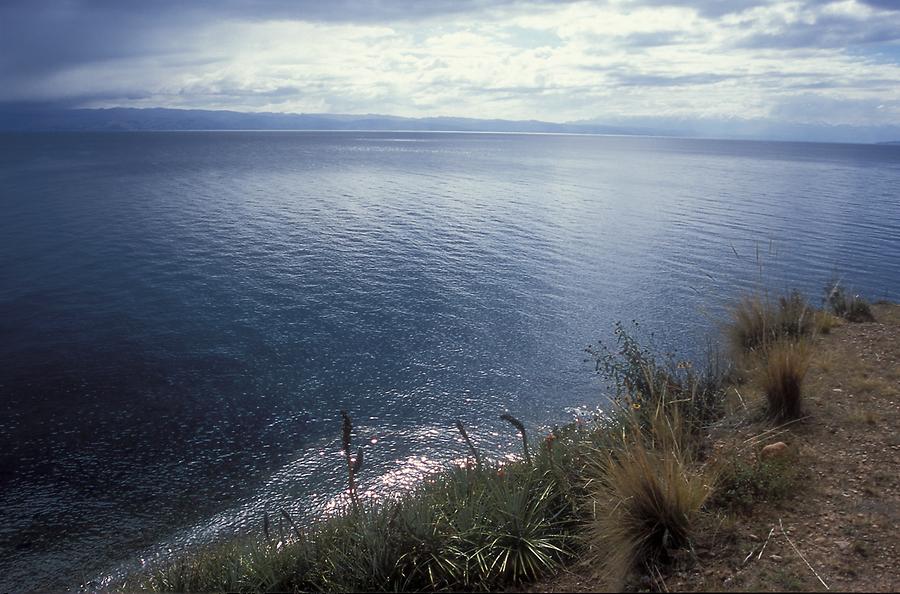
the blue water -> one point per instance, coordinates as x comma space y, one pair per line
184, 314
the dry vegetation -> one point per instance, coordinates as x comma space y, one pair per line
826, 510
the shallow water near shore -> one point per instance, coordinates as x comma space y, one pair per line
184, 314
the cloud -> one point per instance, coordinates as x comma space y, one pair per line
40, 37
707, 8
883, 4
662, 80
825, 31
518, 59
657, 38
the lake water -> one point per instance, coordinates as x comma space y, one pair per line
184, 314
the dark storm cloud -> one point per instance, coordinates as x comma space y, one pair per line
38, 38
708, 8
883, 4
827, 31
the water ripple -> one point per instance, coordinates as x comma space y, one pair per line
184, 314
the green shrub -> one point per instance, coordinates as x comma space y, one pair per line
852, 308
642, 382
739, 485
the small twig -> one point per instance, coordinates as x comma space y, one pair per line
290, 520
762, 439
801, 555
744, 404
782, 426
758, 557
661, 580
750, 554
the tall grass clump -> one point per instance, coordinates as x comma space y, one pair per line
850, 307
757, 321
646, 497
784, 370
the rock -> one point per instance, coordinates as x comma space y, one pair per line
842, 544
775, 558
773, 450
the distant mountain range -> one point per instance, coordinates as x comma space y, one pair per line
32, 118
131, 119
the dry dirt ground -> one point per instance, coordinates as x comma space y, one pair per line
841, 518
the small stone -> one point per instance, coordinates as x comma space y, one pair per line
775, 558
842, 544
753, 537
773, 450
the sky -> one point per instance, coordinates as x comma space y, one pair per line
797, 62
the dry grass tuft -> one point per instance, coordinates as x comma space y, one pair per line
757, 322
784, 370
751, 321
824, 322
645, 500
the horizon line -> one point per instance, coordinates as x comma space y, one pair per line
413, 131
